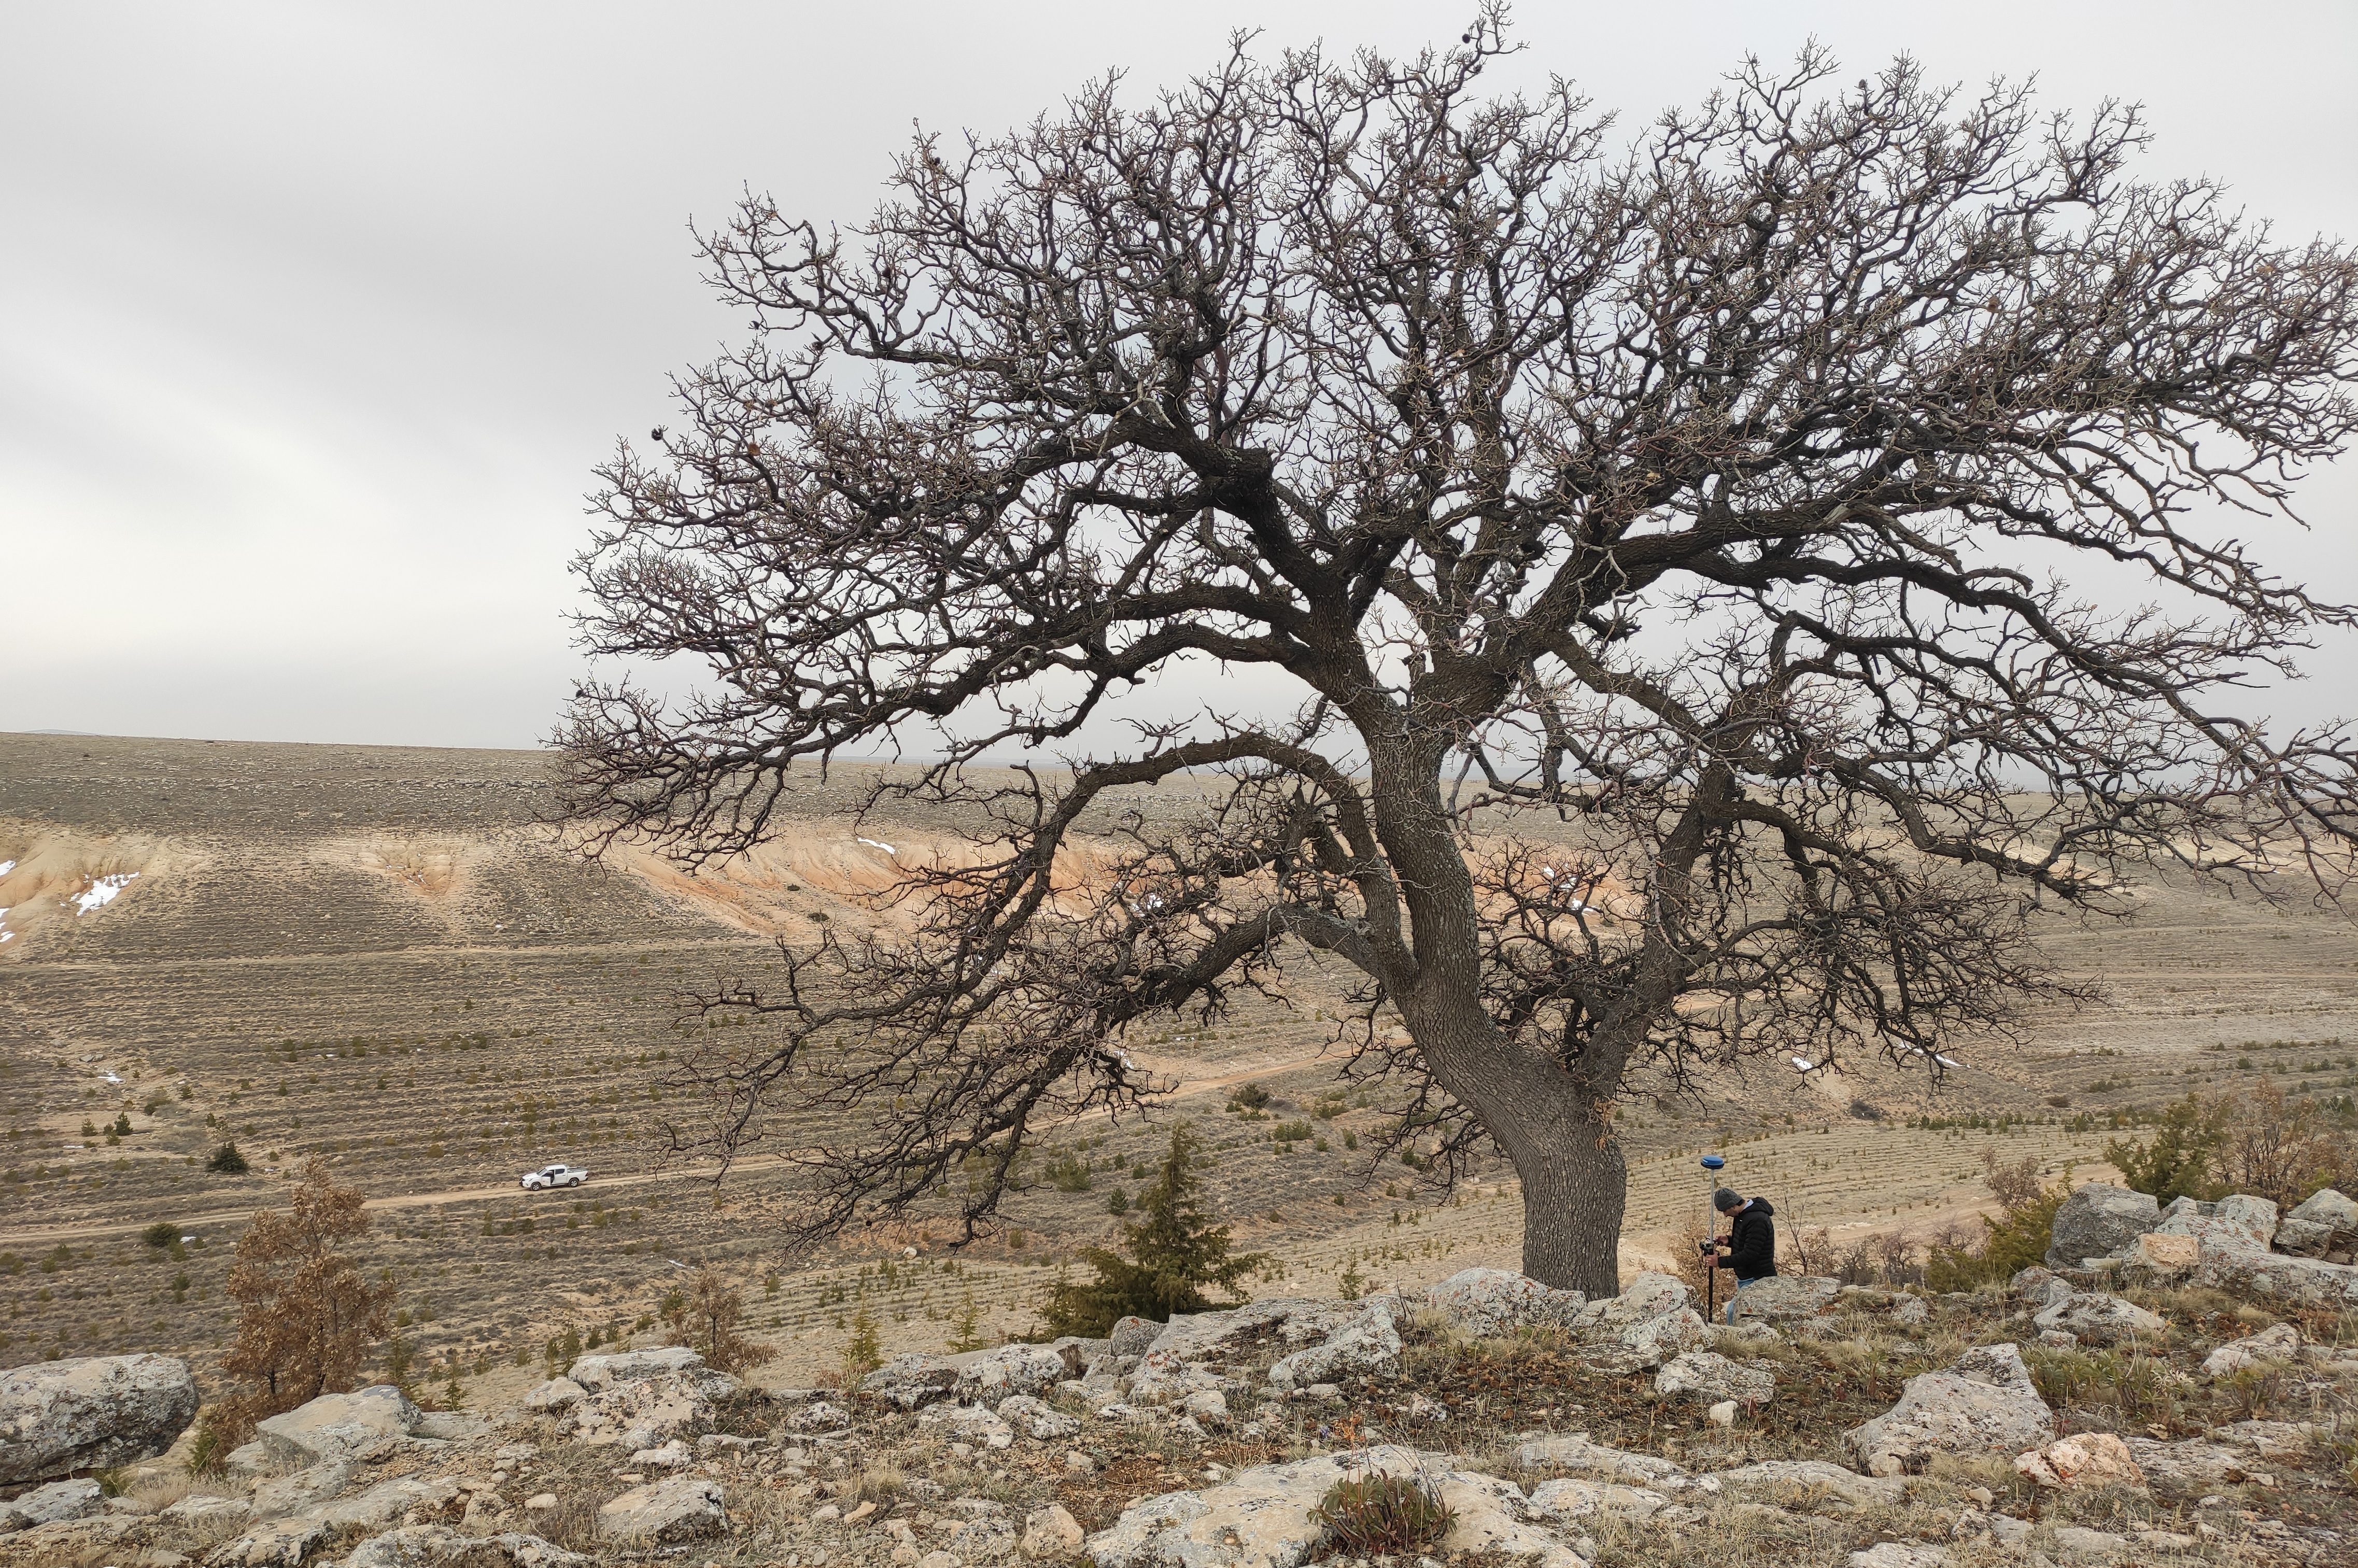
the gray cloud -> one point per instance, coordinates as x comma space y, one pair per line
313, 320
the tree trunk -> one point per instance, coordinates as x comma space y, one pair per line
1573, 1193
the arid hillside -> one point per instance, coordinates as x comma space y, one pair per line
377, 955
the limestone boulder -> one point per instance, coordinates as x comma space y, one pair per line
1573, 1453
1133, 1337
69, 1543
1710, 1378
334, 1425
1009, 1369
281, 1495
2097, 1221
1785, 1298
2324, 1225
556, 1394
819, 1416
664, 1513
1575, 1498
968, 1423
2191, 1467
909, 1382
438, 1546
645, 1399
88, 1413
1645, 1298
1899, 1554
2281, 1343
1650, 1343
1983, 1402
2234, 1256
1490, 1521
2099, 1318
1814, 1483
1488, 1303
49, 1504
1369, 1342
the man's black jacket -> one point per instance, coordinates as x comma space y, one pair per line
1752, 1242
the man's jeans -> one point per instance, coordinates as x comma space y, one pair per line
1730, 1315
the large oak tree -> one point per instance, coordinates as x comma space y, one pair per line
1717, 581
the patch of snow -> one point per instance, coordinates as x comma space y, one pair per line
1805, 1064
101, 892
5, 867
7, 936
880, 844
114, 1078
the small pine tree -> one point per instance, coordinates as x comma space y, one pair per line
2178, 1162
863, 1352
970, 1328
711, 1313
1175, 1254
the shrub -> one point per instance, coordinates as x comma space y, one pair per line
162, 1235
1390, 1516
227, 1161
1249, 1096
1175, 1255
307, 1315
710, 1319
2014, 1241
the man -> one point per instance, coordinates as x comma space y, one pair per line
1750, 1249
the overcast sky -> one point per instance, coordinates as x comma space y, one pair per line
314, 317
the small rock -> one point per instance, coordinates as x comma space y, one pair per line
49, 1504
1051, 1533
819, 1416
865, 1511
2004, 1528
1898, 1554
2058, 1339
1722, 1413
1983, 1402
1035, 1418
2092, 1315
1910, 1310
2281, 1343
1784, 1298
679, 1509
1207, 1406
1711, 1378
540, 1502
1079, 1464
2084, 1459
2080, 1544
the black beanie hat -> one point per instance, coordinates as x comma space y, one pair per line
1725, 1199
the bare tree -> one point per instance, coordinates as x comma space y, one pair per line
1671, 549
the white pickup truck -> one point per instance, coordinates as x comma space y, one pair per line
554, 1176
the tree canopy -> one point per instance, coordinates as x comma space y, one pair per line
1699, 590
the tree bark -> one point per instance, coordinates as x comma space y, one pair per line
1574, 1194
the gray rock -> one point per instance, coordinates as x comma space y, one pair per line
2097, 1221
1035, 1418
1898, 1554
2191, 1467
1546, 1452
2080, 1544
2324, 1222
1007, 1371
384, 1504
1262, 1517
337, 1425
451, 1426
1370, 1342
1983, 1402
49, 1504
909, 1382
645, 1399
556, 1394
274, 1544
1573, 1497
1785, 1298
88, 1413
970, 1424
1488, 1303
2004, 1528
1815, 1481
2281, 1343
596, 1372
1643, 1299
2096, 1316
438, 1546
1703, 1375
819, 1416
677, 1509
2234, 1254
1134, 1336
1051, 1532
197, 1508
305, 1488
1655, 1340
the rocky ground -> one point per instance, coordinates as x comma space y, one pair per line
2183, 1393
